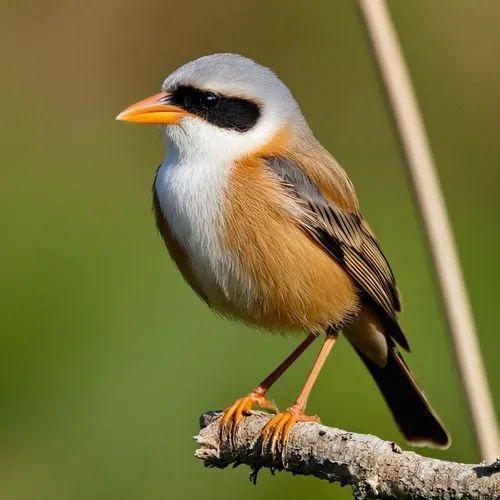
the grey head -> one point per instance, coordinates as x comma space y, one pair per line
234, 106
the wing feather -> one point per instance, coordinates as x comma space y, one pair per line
344, 234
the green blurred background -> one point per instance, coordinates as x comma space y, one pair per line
107, 358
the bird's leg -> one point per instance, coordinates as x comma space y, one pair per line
281, 423
257, 396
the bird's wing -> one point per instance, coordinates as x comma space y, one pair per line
344, 234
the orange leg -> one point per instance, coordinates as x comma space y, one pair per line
283, 422
257, 396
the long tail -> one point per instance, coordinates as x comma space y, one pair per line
415, 418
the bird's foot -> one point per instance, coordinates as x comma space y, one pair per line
277, 429
243, 406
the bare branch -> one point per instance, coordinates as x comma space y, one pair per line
374, 468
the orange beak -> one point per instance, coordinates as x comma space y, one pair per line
154, 109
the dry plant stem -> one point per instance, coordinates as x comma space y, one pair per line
374, 468
436, 224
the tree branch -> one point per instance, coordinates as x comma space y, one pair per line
374, 468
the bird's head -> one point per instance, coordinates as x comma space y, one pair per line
222, 103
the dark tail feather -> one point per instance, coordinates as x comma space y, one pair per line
413, 414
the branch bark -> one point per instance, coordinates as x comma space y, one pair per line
374, 468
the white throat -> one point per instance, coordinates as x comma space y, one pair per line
191, 189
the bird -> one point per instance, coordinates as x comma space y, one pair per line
265, 226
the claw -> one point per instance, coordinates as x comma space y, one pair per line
277, 428
236, 410
242, 407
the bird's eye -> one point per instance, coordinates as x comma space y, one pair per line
209, 99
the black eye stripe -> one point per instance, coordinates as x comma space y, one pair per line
223, 111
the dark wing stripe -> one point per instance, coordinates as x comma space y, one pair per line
343, 234
371, 284
363, 260
374, 254
372, 248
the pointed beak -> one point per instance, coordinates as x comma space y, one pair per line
154, 109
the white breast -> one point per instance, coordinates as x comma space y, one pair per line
190, 192
191, 187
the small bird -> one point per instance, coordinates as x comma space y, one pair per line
265, 226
